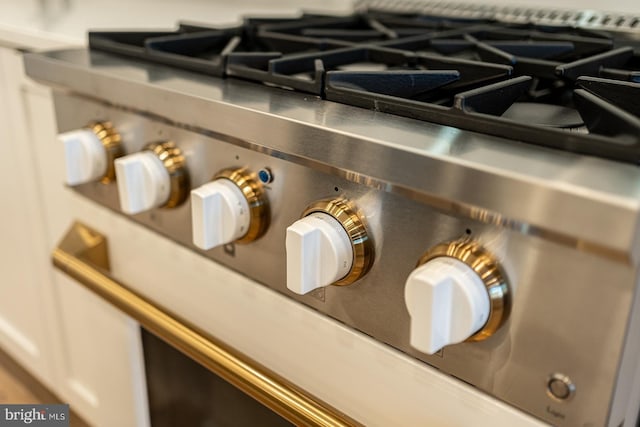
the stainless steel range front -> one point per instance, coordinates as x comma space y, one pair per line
507, 261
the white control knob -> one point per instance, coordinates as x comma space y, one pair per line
319, 252
143, 182
85, 156
447, 301
219, 213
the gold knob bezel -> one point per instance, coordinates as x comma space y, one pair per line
175, 163
254, 193
354, 224
487, 267
112, 144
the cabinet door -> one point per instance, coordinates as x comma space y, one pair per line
86, 351
23, 306
103, 367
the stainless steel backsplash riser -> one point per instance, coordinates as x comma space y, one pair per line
620, 23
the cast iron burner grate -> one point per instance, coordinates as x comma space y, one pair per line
204, 49
555, 86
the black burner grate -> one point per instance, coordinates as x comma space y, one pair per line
553, 85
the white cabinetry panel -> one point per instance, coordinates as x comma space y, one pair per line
104, 370
79, 346
22, 294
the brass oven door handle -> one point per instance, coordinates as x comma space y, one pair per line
83, 255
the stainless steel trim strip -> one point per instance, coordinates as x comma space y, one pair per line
82, 254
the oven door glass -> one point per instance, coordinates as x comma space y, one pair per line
183, 393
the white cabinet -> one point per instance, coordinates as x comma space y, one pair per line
83, 349
22, 303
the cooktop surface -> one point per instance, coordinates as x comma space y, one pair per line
559, 86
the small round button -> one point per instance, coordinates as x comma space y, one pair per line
560, 387
265, 175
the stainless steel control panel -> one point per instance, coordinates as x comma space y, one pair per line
558, 351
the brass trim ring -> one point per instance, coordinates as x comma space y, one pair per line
253, 191
112, 143
487, 267
174, 161
354, 224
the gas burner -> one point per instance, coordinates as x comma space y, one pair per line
547, 115
610, 107
524, 82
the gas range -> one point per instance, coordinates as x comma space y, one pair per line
480, 214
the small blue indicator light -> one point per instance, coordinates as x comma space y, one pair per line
265, 175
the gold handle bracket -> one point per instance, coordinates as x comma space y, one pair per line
83, 255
